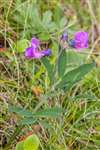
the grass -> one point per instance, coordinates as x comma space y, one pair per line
77, 127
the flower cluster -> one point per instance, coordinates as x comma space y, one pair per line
79, 41
34, 52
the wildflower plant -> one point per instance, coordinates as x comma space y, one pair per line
46, 78
57, 74
58, 77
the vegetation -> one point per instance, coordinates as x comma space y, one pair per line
50, 103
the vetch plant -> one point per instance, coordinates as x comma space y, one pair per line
57, 76
47, 79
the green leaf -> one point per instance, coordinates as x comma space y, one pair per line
74, 58
89, 96
57, 14
45, 124
97, 142
20, 111
22, 45
52, 27
28, 121
35, 18
63, 22
62, 63
49, 112
48, 67
19, 146
74, 76
47, 16
31, 143
68, 60
44, 36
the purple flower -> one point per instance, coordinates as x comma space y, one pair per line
72, 43
35, 42
33, 51
80, 40
46, 52
64, 37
